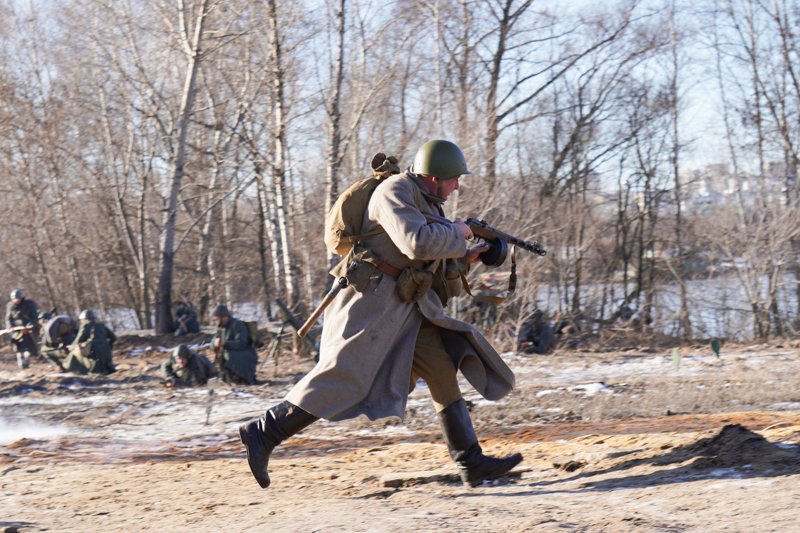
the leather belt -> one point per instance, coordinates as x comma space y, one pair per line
386, 268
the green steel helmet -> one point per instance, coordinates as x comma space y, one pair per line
87, 314
17, 294
440, 158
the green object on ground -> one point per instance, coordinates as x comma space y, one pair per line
715, 346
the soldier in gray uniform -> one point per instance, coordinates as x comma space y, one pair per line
21, 312
186, 316
58, 333
235, 355
389, 326
185, 368
90, 352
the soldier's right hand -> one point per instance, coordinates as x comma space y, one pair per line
474, 253
463, 228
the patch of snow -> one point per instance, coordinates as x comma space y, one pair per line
592, 389
95, 400
383, 431
481, 402
555, 372
730, 473
785, 406
546, 410
545, 392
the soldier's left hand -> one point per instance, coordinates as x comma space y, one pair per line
473, 254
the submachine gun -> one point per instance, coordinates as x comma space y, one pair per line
498, 240
495, 256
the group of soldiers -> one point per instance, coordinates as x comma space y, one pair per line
85, 345
80, 346
234, 350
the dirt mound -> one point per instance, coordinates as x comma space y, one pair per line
737, 446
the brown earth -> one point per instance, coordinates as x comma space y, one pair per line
613, 441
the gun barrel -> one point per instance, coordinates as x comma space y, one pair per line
485, 231
534, 246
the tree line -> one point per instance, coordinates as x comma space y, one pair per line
154, 146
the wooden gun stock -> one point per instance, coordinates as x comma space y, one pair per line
15, 329
339, 285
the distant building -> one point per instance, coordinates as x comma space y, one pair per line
715, 185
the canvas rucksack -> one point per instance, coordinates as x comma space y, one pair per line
255, 336
343, 223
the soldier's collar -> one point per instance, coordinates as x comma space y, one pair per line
432, 198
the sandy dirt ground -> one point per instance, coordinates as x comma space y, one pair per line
632, 440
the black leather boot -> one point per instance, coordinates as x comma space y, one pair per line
473, 466
262, 435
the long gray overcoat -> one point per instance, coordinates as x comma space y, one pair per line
368, 337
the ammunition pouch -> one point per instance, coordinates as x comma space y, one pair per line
359, 273
449, 280
412, 284
358, 266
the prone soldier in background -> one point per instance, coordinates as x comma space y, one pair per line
185, 368
58, 333
21, 313
90, 352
